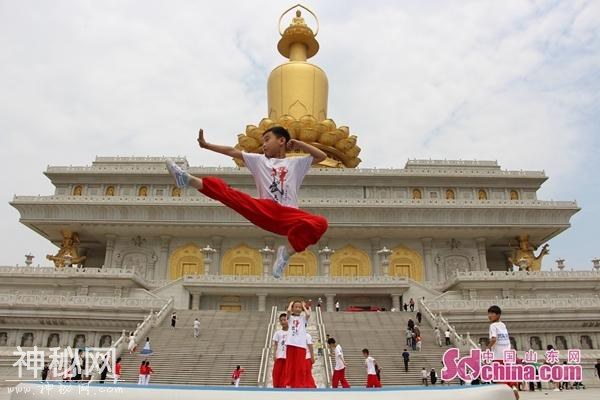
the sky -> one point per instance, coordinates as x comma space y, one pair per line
513, 81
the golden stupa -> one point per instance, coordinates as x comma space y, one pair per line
297, 100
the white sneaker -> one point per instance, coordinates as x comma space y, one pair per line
181, 177
281, 261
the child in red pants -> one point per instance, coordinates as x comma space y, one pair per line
296, 345
279, 344
278, 180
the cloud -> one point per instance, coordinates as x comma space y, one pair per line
512, 81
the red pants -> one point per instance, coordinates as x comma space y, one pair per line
279, 373
509, 384
339, 376
373, 382
301, 228
295, 366
309, 381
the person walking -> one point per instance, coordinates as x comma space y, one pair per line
437, 336
406, 359
339, 371
432, 376
196, 328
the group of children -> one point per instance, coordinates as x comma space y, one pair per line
294, 356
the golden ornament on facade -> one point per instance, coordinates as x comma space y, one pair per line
69, 251
524, 254
297, 100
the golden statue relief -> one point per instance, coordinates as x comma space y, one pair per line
449, 194
416, 194
525, 255
68, 253
514, 195
482, 195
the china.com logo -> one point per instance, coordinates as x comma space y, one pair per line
481, 365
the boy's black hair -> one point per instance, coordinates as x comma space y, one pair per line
495, 310
238, 367
279, 131
365, 351
331, 341
282, 315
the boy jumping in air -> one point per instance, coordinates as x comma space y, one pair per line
278, 180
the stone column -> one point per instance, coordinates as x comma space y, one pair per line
162, 269
267, 260
428, 260
196, 301
482, 254
396, 301
384, 255
326, 254
216, 243
330, 298
208, 258
375, 259
262, 301
110, 247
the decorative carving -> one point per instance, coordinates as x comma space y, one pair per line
525, 255
186, 260
176, 192
138, 241
416, 194
110, 191
302, 264
69, 251
406, 262
450, 194
514, 195
242, 260
350, 261
78, 190
482, 195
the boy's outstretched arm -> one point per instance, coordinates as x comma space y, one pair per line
227, 150
317, 155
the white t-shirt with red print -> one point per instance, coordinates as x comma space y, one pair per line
278, 179
296, 331
280, 337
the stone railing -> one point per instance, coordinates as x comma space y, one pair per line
522, 304
524, 275
308, 202
128, 271
437, 320
79, 302
296, 280
415, 168
266, 350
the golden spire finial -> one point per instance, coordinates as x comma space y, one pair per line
297, 99
298, 41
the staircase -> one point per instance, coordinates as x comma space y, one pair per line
226, 340
383, 333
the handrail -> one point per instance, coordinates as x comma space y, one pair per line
463, 342
264, 357
326, 357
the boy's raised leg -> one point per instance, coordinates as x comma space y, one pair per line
182, 178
